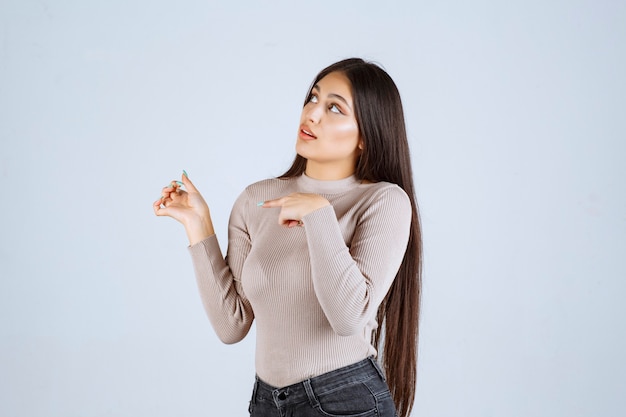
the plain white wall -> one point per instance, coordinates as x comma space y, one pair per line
515, 112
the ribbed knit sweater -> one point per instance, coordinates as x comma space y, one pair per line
313, 290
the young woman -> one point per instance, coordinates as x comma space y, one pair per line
326, 258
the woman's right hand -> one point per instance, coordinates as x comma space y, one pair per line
187, 207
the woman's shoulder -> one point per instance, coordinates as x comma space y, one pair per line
387, 190
386, 199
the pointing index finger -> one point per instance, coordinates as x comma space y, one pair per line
270, 203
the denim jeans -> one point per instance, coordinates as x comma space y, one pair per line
357, 390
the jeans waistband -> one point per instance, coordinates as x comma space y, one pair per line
303, 391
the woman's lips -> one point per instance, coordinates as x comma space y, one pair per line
306, 133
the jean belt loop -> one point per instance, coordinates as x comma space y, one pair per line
377, 367
309, 393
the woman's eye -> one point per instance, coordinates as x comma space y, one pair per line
333, 108
313, 99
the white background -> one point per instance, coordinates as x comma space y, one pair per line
516, 115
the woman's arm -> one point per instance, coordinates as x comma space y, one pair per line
228, 309
219, 279
350, 283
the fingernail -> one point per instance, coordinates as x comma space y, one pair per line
180, 183
260, 203
185, 173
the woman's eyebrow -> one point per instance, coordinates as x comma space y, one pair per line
338, 97
333, 95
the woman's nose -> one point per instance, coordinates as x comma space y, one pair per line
314, 113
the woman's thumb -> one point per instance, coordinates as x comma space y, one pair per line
188, 184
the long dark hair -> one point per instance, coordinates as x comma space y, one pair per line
385, 157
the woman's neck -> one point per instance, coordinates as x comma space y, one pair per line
327, 172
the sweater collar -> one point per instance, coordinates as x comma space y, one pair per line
308, 184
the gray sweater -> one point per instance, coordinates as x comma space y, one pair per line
313, 290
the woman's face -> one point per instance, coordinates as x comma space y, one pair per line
328, 136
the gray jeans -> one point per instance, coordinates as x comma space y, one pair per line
357, 390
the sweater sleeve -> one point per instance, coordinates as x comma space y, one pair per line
219, 281
351, 282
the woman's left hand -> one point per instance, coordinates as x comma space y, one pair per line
294, 207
